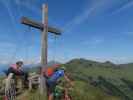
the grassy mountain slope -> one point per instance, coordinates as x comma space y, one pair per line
81, 70
91, 68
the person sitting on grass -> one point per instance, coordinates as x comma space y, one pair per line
52, 81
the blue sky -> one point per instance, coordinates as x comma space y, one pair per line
94, 29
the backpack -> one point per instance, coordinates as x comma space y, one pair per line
48, 72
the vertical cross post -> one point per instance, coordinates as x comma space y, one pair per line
44, 34
44, 46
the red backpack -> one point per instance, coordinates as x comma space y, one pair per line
48, 71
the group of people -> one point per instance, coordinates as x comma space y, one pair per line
51, 74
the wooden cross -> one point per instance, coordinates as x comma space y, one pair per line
45, 29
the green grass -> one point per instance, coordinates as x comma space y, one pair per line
31, 95
107, 72
82, 89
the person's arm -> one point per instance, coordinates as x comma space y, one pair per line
10, 70
68, 80
14, 71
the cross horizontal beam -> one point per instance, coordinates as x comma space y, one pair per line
29, 22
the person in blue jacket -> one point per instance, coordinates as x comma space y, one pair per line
53, 81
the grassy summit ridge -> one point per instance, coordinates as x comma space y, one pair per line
96, 81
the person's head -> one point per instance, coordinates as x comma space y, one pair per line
55, 66
63, 68
19, 64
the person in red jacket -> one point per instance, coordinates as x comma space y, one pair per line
16, 69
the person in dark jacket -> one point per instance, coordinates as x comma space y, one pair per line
16, 69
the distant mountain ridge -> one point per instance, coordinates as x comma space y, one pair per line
91, 63
126, 65
77, 61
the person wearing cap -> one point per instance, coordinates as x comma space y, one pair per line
52, 81
16, 70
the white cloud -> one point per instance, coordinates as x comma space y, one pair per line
116, 60
93, 41
120, 60
35, 60
29, 4
124, 7
96, 41
6, 52
98, 6
4, 61
7, 49
11, 15
95, 8
7, 45
129, 34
